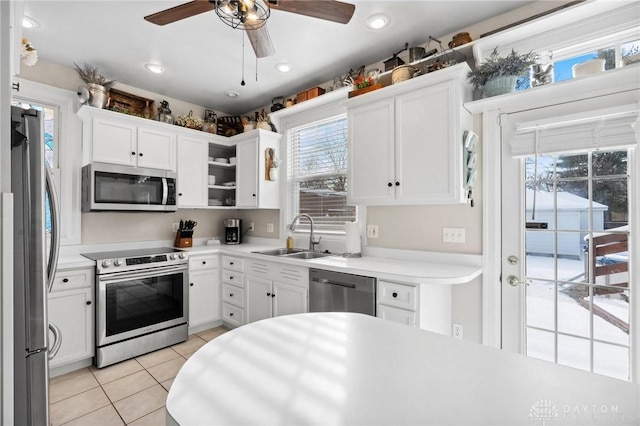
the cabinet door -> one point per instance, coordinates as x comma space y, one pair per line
401, 316
204, 297
114, 143
156, 149
289, 299
192, 173
427, 148
247, 174
259, 302
72, 312
371, 153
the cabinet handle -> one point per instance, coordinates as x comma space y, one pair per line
133, 153
273, 295
190, 284
65, 280
180, 194
389, 184
397, 183
140, 154
204, 262
230, 263
231, 314
253, 195
268, 294
395, 294
230, 294
88, 302
231, 277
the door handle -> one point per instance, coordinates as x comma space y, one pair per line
515, 281
57, 342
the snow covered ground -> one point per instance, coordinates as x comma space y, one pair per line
573, 322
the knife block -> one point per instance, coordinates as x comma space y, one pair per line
183, 239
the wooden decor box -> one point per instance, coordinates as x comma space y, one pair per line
128, 103
315, 92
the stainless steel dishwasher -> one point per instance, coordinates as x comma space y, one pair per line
331, 291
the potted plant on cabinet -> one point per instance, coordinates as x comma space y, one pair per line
96, 92
498, 75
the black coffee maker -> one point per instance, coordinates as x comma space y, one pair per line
232, 231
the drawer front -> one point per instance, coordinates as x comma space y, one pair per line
401, 316
197, 263
233, 263
398, 295
232, 315
67, 280
296, 275
233, 278
259, 268
232, 294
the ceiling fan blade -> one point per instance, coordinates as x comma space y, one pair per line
261, 42
329, 10
182, 11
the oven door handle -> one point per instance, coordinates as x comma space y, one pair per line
127, 276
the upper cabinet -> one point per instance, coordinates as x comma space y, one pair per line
114, 138
257, 185
405, 141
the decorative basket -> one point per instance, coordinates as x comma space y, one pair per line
500, 85
190, 121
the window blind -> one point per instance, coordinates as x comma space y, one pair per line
601, 129
317, 174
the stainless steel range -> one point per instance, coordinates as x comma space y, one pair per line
142, 302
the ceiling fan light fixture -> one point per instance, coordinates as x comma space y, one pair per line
284, 67
377, 21
232, 94
154, 68
243, 14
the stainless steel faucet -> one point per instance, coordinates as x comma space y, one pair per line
312, 239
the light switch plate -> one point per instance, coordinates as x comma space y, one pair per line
269, 227
372, 231
453, 235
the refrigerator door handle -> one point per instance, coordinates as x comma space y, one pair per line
57, 340
55, 228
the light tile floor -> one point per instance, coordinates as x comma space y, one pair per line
132, 392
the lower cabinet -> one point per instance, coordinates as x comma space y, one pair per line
71, 309
204, 292
397, 302
233, 291
273, 289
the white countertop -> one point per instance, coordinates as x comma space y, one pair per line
353, 369
428, 268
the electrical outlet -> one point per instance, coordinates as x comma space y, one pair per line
175, 227
457, 331
453, 235
251, 227
372, 231
269, 227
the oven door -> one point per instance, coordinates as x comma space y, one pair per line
131, 304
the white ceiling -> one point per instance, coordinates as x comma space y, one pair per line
203, 57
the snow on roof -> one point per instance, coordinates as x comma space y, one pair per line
566, 201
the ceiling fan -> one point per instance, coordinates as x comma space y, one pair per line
251, 15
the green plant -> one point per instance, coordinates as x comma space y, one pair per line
514, 64
89, 74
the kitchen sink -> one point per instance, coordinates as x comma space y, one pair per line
308, 255
280, 251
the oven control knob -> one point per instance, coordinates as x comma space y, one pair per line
173, 256
183, 255
118, 262
106, 263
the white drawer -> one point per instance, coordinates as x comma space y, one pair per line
232, 262
232, 294
398, 295
232, 315
296, 275
75, 278
401, 316
197, 263
233, 278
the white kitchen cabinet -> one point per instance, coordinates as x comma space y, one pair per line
254, 188
274, 289
397, 302
233, 291
204, 292
71, 309
111, 137
192, 172
405, 141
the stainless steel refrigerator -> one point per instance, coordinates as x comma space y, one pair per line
33, 267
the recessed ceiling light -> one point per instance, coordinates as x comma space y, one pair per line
232, 94
155, 68
377, 21
284, 67
28, 22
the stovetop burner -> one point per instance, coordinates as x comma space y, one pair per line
123, 254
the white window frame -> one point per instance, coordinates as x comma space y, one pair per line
69, 149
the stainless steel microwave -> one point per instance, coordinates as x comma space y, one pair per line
110, 187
